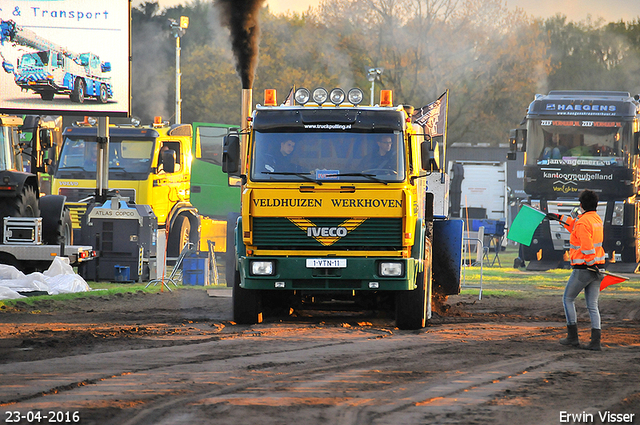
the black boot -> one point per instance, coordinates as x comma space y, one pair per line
594, 345
572, 336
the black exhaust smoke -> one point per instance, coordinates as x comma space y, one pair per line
241, 17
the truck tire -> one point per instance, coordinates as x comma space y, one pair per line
66, 231
56, 220
247, 305
23, 205
103, 95
413, 308
178, 236
79, 90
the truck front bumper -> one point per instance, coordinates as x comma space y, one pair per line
357, 274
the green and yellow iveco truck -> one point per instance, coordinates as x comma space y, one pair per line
338, 203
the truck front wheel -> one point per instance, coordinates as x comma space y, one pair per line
103, 96
178, 236
78, 91
413, 308
247, 304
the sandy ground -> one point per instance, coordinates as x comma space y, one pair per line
176, 358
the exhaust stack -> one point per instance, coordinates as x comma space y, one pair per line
247, 105
246, 109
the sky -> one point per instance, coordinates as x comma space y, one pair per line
575, 10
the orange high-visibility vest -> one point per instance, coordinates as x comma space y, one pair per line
586, 239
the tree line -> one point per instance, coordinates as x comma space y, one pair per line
491, 59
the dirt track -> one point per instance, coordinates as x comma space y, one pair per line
175, 358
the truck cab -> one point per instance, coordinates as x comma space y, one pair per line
335, 205
149, 165
576, 140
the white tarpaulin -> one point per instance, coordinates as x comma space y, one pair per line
58, 279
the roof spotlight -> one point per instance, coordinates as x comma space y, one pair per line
355, 96
337, 96
302, 95
320, 95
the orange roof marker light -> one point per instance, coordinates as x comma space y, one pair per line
386, 98
157, 121
270, 97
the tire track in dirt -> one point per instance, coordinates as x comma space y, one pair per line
274, 389
341, 372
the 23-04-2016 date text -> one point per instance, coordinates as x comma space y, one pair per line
37, 416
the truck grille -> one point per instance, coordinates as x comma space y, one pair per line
80, 194
372, 234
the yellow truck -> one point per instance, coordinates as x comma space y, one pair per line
338, 203
150, 165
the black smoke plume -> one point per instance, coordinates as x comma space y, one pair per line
241, 17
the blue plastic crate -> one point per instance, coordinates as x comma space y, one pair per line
194, 270
121, 273
193, 277
491, 227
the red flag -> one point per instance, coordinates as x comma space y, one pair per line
611, 279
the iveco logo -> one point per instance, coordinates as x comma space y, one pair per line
314, 232
327, 235
62, 183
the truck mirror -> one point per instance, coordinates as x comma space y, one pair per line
521, 139
231, 154
169, 161
45, 139
106, 67
429, 157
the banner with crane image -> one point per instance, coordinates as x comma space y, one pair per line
65, 57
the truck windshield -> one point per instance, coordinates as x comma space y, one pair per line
574, 142
37, 59
328, 156
128, 159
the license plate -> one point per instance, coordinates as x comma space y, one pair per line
326, 263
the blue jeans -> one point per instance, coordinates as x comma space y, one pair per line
589, 281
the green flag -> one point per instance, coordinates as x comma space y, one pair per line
525, 224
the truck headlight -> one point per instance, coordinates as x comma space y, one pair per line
262, 268
302, 96
391, 269
337, 96
355, 96
618, 214
320, 95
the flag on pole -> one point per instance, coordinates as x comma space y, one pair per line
525, 224
433, 119
611, 279
289, 101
